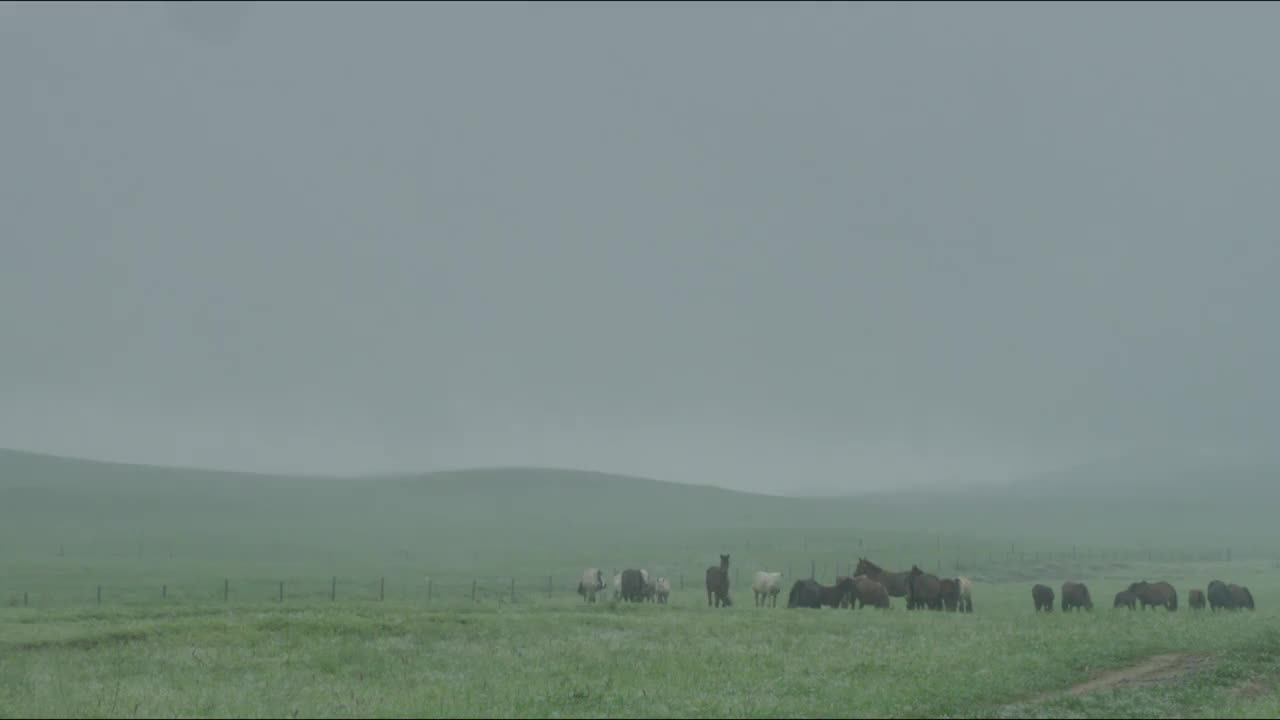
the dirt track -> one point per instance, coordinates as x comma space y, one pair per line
1158, 669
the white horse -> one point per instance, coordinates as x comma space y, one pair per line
766, 586
966, 594
591, 583
662, 590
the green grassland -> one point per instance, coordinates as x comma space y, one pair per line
382, 647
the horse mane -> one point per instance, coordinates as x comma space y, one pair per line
872, 567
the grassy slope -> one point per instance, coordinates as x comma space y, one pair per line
192, 655
133, 529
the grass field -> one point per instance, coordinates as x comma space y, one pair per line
557, 657
68, 527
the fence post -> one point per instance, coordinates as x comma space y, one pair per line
473, 591
428, 589
164, 591
333, 590
682, 581
226, 589
548, 587
382, 589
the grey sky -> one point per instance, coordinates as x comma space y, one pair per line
783, 247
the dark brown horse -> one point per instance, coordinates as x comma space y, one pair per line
1219, 596
1153, 595
1124, 598
1241, 598
924, 590
838, 595
1076, 596
633, 586
868, 592
1195, 598
949, 591
805, 594
718, 583
1042, 596
895, 583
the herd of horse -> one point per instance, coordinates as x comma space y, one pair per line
871, 585
1218, 596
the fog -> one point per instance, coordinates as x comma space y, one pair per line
794, 248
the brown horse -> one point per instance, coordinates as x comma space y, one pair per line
1195, 598
718, 583
838, 595
805, 594
1153, 595
949, 591
1219, 596
868, 592
895, 583
1076, 596
1124, 598
1241, 598
924, 590
1042, 596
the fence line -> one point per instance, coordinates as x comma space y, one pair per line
528, 588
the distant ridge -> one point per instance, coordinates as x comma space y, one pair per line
1128, 502
479, 474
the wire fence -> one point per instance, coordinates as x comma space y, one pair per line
454, 588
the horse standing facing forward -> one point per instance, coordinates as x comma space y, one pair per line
718, 584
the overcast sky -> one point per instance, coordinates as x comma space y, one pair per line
794, 247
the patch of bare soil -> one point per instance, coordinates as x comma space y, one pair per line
1155, 670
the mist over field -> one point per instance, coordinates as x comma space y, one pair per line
442, 306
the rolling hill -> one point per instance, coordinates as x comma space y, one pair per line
1121, 503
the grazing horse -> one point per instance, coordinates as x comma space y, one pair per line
1124, 598
591, 583
838, 595
766, 586
1042, 596
868, 592
1241, 598
895, 583
923, 590
805, 594
650, 589
662, 590
1195, 598
1219, 596
633, 586
949, 591
1076, 595
1153, 595
718, 583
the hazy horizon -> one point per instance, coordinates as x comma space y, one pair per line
788, 248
